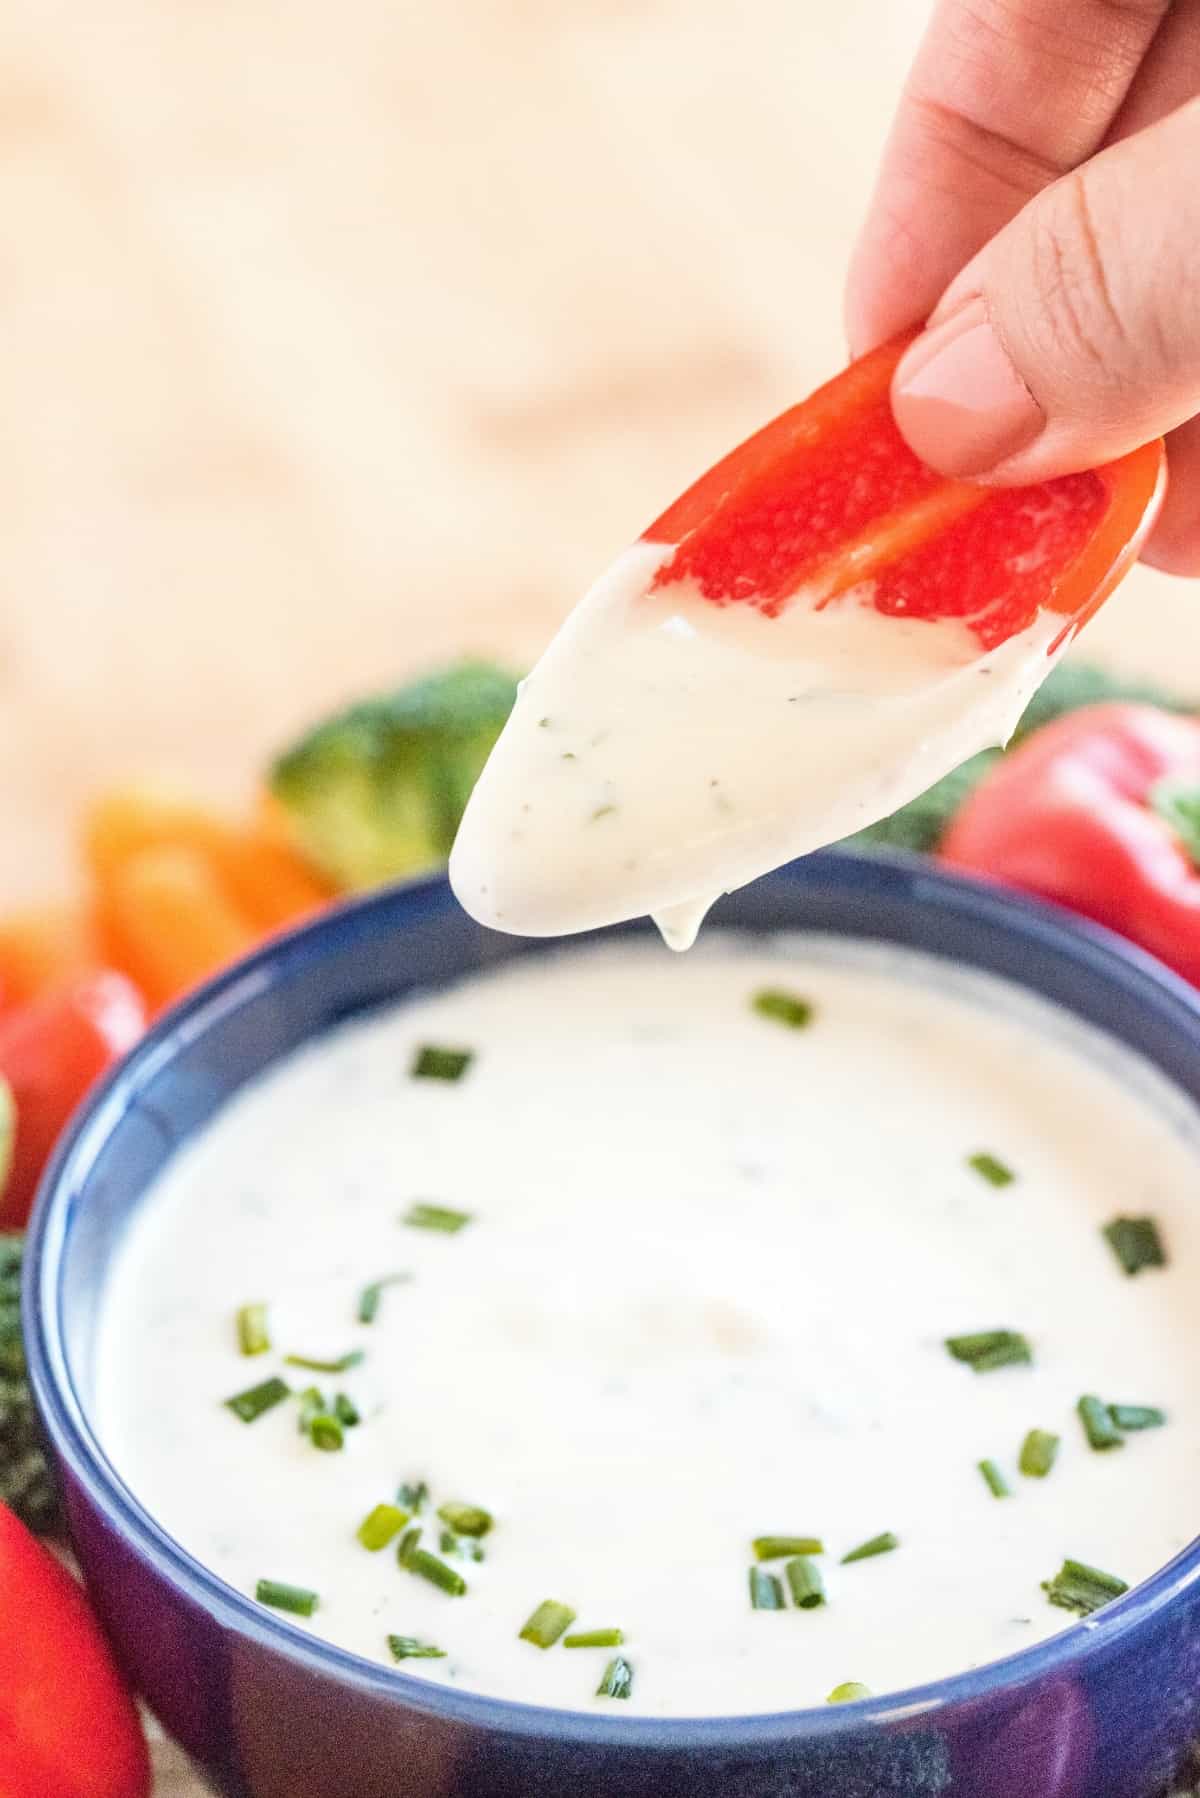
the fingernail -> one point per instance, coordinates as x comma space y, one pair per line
958, 399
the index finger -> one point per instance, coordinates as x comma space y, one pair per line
1003, 98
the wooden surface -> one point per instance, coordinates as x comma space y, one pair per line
336, 339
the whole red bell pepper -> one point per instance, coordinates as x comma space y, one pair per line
51, 1051
68, 1727
1100, 811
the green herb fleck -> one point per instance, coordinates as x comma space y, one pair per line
297, 1599
406, 1547
436, 1217
783, 1008
878, 1545
989, 1168
1137, 1417
381, 1526
1078, 1587
989, 1349
995, 1481
766, 1592
548, 1623
603, 811
846, 1693
342, 1364
595, 1638
618, 1679
1136, 1243
433, 1063
1098, 1426
407, 1648
804, 1580
370, 1296
312, 1404
427, 1566
465, 1547
1038, 1452
778, 1548
251, 1404
346, 1411
466, 1520
252, 1333
326, 1432
413, 1495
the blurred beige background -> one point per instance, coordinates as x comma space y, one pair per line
335, 339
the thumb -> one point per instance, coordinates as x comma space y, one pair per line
1074, 335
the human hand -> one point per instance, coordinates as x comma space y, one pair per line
1053, 148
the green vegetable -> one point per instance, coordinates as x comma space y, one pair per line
1136, 1243
995, 1481
436, 1217
848, 1692
1038, 1452
1098, 1425
783, 1008
766, 1592
866, 1551
777, 1548
376, 792
250, 1404
595, 1638
381, 1526
407, 1648
618, 1679
466, 1520
252, 1333
805, 1583
988, 1349
296, 1599
995, 1172
1137, 1417
548, 1623
1078, 1587
26, 1483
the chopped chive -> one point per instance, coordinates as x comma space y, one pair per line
433, 1063
878, 1545
326, 1432
255, 1400
252, 1333
412, 1495
848, 1691
618, 1679
465, 1547
368, 1305
778, 1548
1137, 1417
807, 1586
466, 1520
346, 1411
297, 1599
312, 1404
445, 1218
406, 1547
407, 1648
595, 1638
1038, 1452
991, 1169
381, 1526
603, 811
547, 1623
995, 1481
766, 1592
342, 1364
427, 1566
783, 1008
988, 1349
1098, 1425
1136, 1243
1078, 1587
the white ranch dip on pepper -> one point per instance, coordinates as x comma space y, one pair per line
712, 1257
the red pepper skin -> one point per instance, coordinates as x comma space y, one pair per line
51, 1051
68, 1727
1067, 816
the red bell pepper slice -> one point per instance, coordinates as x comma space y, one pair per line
1087, 811
68, 1727
829, 496
51, 1051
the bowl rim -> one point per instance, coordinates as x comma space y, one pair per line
893, 874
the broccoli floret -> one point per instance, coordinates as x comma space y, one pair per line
26, 1482
376, 793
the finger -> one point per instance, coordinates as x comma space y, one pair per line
1175, 541
1004, 96
1075, 334
1169, 75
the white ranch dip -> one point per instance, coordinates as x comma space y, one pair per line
702, 1297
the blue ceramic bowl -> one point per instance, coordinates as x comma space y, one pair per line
1108, 1709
